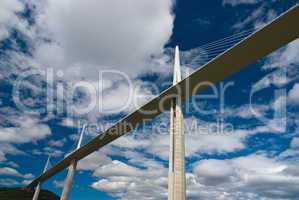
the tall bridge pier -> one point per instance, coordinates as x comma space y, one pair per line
71, 171
176, 174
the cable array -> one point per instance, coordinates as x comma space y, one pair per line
204, 53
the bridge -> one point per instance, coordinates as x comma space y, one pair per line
262, 42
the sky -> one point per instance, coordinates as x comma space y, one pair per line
67, 63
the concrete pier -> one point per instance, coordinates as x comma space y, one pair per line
176, 175
38, 187
69, 181
36, 193
71, 171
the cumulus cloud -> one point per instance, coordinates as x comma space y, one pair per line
140, 176
293, 95
57, 143
214, 172
93, 161
117, 168
83, 37
125, 97
214, 143
284, 58
129, 182
8, 171
27, 130
92, 38
108, 186
6, 148
292, 151
17, 129
250, 177
102, 34
8, 16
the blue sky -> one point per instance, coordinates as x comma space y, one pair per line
255, 155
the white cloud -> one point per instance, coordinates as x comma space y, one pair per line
8, 16
26, 182
57, 143
93, 161
111, 187
58, 184
125, 97
248, 177
258, 164
213, 143
246, 111
6, 148
214, 172
258, 18
7, 182
28, 130
239, 2
68, 122
16, 129
293, 96
128, 182
138, 177
7, 171
285, 57
48, 151
116, 168
277, 78
105, 34
292, 151
132, 142
125, 40
295, 143
2, 156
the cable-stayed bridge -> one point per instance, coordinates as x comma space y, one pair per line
243, 49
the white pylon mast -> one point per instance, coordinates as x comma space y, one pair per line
176, 174
47, 164
81, 136
72, 170
177, 76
